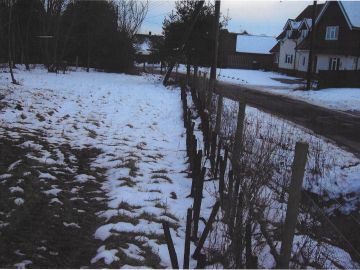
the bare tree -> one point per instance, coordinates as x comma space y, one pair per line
131, 14
51, 20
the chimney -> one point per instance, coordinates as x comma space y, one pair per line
149, 33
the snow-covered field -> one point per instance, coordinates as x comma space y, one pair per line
136, 124
121, 139
344, 99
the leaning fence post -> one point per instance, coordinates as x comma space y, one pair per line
298, 171
207, 229
187, 239
170, 244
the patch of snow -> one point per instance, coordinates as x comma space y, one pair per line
56, 200
47, 176
19, 201
72, 224
109, 256
32, 145
23, 264
16, 189
5, 176
53, 191
82, 178
14, 165
133, 252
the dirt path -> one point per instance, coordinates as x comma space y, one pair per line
342, 127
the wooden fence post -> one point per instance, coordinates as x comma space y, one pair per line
213, 151
197, 201
238, 141
203, 97
170, 244
298, 171
206, 230
176, 71
195, 80
187, 239
195, 173
219, 114
218, 156
222, 180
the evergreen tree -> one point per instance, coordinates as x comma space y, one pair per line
198, 49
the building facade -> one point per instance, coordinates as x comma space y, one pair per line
336, 44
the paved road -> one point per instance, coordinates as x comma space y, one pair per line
342, 127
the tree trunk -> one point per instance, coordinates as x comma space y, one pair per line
10, 36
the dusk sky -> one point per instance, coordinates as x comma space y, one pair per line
257, 17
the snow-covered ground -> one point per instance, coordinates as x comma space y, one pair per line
247, 76
137, 125
344, 99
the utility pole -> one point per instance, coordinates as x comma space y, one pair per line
215, 55
312, 38
185, 38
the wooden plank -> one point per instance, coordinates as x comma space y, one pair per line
298, 171
170, 244
187, 239
206, 230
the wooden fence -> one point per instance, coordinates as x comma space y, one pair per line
338, 78
224, 168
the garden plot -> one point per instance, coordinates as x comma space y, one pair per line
118, 137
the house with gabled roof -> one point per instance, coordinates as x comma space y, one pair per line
296, 30
337, 39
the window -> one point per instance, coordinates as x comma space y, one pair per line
304, 33
277, 58
303, 60
334, 63
288, 33
288, 58
332, 33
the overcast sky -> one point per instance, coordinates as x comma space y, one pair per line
257, 17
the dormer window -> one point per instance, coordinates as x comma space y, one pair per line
332, 33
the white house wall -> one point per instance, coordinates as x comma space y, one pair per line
302, 65
287, 47
346, 62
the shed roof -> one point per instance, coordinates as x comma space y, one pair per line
255, 44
